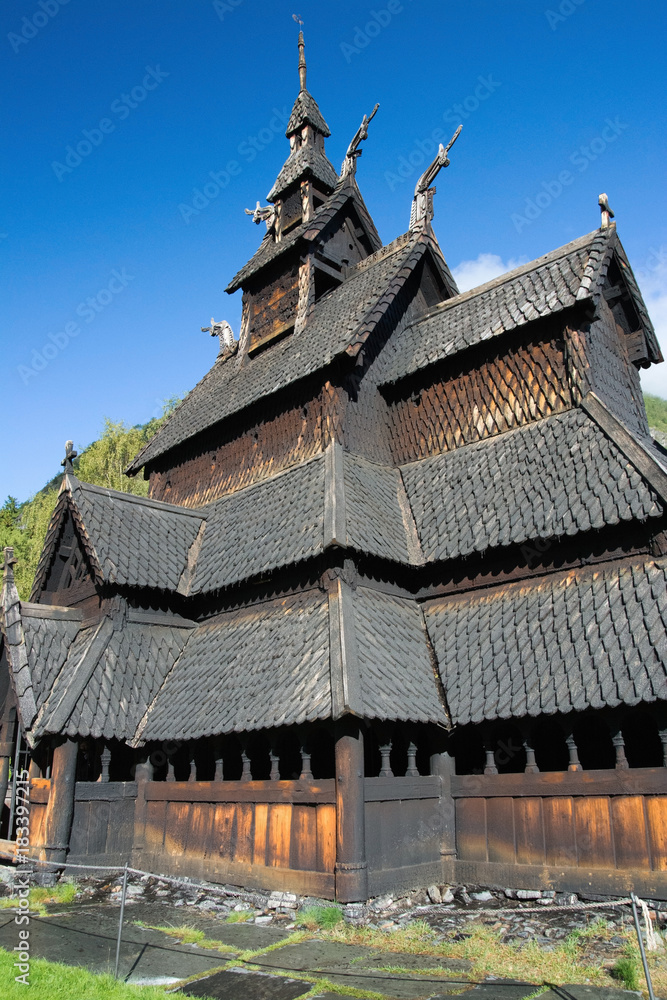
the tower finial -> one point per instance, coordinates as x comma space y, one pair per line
70, 455
302, 53
606, 212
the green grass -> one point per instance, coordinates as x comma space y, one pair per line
626, 971
53, 981
39, 896
325, 917
240, 916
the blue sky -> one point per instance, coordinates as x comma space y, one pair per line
117, 112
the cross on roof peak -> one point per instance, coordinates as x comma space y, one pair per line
70, 455
606, 212
9, 563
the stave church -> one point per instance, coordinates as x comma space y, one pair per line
394, 612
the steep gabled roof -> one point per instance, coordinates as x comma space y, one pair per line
340, 322
270, 250
555, 477
305, 111
129, 540
574, 273
591, 638
307, 161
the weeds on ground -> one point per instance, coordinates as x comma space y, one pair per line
63, 892
325, 917
239, 916
626, 971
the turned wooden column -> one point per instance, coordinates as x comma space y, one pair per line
351, 871
60, 807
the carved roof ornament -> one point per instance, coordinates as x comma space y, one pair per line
266, 213
606, 212
70, 455
228, 345
422, 203
8, 565
350, 161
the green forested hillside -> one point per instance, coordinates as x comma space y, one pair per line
656, 410
23, 525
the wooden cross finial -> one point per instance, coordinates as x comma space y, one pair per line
9, 564
70, 455
607, 213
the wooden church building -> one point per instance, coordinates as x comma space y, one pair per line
395, 610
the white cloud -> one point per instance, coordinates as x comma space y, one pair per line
471, 273
652, 279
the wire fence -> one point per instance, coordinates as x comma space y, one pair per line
633, 901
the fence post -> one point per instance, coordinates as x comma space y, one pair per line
120, 921
635, 914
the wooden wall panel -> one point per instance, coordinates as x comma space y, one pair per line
523, 384
78, 841
98, 824
326, 838
261, 826
471, 829
500, 829
177, 822
156, 814
592, 820
243, 843
304, 838
278, 836
120, 833
629, 826
529, 831
656, 815
559, 836
224, 828
199, 832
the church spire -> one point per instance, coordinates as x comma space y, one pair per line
302, 63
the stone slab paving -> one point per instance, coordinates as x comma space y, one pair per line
234, 985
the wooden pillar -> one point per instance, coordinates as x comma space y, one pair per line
60, 808
143, 773
351, 870
7, 741
443, 765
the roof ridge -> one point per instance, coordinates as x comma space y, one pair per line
133, 498
502, 279
383, 253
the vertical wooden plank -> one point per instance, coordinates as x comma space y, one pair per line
78, 842
243, 846
559, 836
303, 852
656, 815
592, 818
121, 828
98, 823
37, 811
471, 829
261, 823
629, 830
326, 838
199, 830
278, 838
224, 824
156, 822
373, 828
500, 830
529, 831
176, 827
